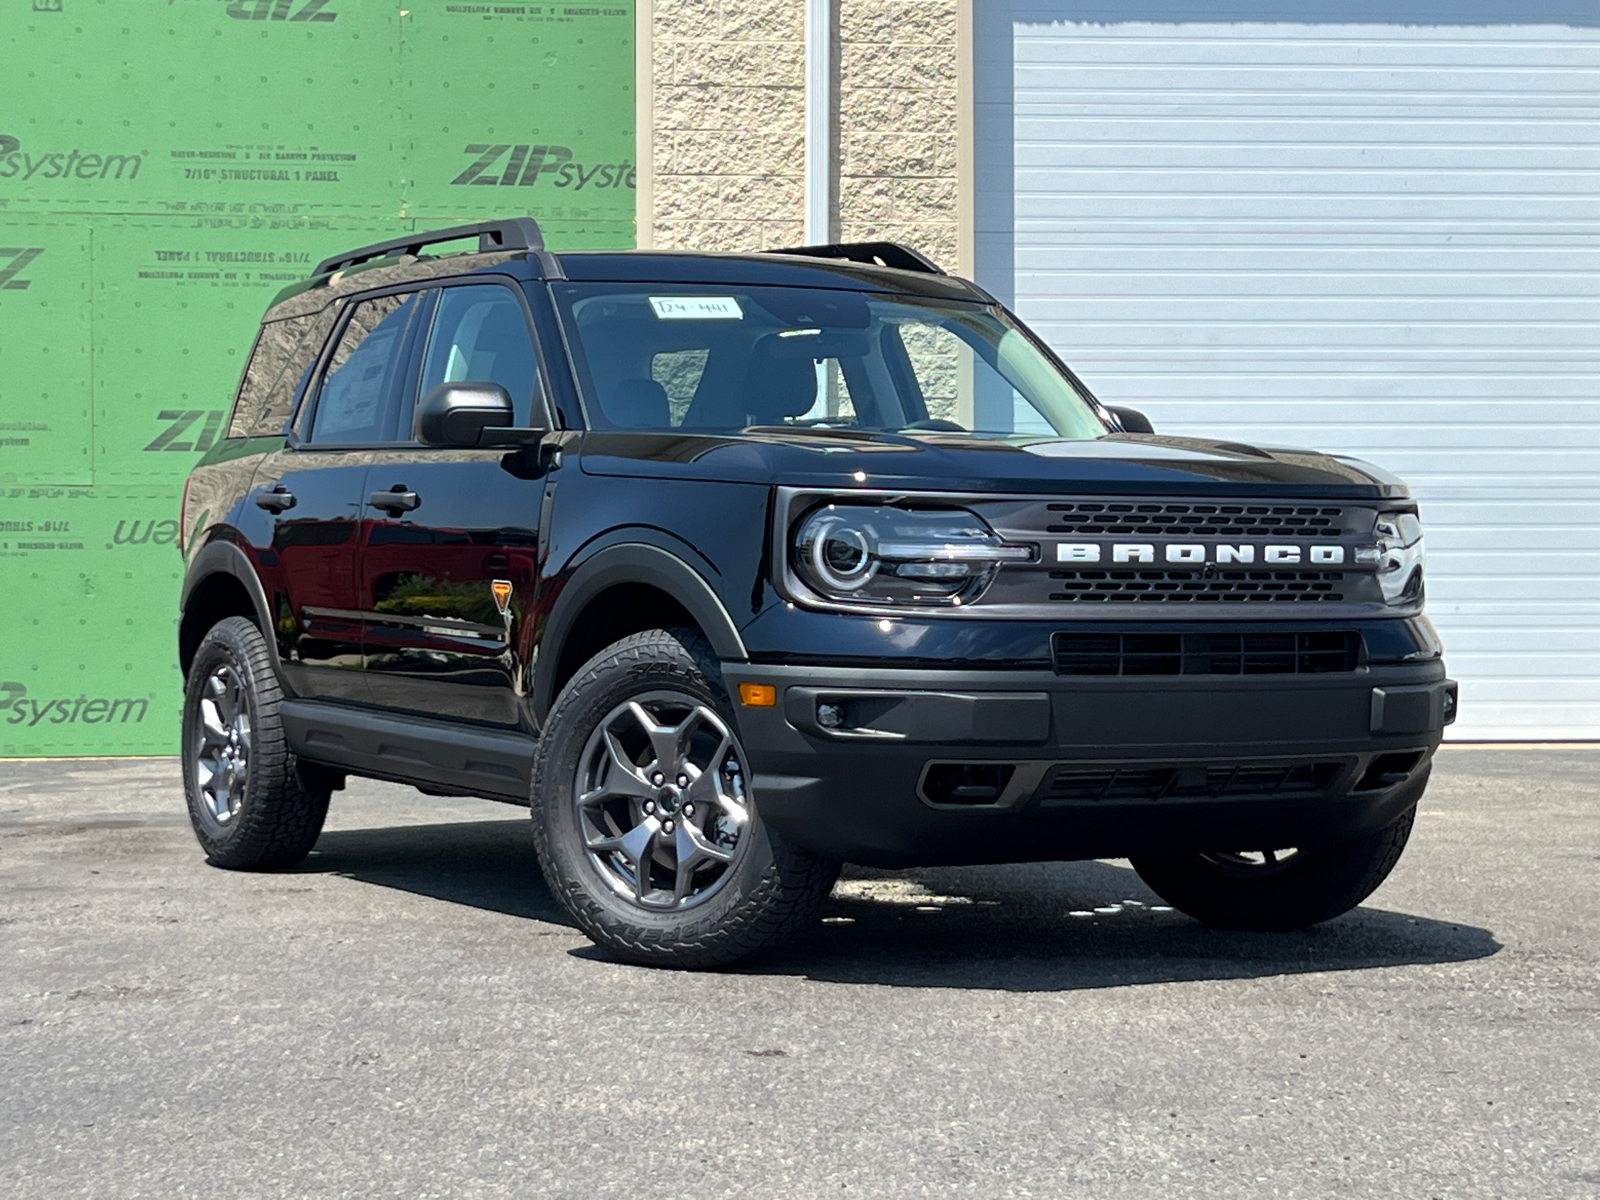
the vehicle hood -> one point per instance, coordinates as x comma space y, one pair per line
1123, 462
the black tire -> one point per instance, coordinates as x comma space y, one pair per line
1231, 891
767, 892
276, 814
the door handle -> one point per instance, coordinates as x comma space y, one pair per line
397, 499
276, 499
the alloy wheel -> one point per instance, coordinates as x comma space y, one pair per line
1251, 864
222, 752
663, 805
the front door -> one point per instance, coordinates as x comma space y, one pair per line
447, 580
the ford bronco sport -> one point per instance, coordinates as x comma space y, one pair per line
737, 567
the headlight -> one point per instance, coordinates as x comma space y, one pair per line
887, 557
1398, 556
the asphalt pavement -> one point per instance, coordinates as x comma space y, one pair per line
408, 1014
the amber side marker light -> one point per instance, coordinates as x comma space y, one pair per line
758, 695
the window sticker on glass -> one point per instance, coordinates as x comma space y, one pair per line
697, 308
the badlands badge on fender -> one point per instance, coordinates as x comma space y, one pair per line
502, 594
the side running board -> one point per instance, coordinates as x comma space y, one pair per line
441, 754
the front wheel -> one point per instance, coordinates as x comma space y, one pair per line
1280, 889
645, 821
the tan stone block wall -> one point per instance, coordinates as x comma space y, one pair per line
897, 124
729, 112
729, 107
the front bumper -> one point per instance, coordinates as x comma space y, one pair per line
929, 767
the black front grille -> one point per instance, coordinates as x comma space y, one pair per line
1197, 587
1120, 519
1302, 652
1103, 784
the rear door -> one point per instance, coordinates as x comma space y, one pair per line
312, 493
447, 585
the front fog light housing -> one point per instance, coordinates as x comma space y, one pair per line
892, 557
1398, 556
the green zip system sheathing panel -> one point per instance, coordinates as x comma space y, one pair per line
164, 170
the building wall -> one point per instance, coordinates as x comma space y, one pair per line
897, 121
728, 108
1355, 226
164, 171
728, 152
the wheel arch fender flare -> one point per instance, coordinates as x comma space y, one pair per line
222, 557
631, 563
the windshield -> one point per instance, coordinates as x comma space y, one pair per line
671, 357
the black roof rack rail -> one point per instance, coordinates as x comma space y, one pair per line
522, 233
880, 254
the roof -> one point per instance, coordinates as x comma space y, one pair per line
857, 266
772, 269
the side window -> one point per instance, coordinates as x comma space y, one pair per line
353, 405
479, 334
267, 391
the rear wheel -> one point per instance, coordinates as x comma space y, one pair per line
645, 821
1278, 889
252, 805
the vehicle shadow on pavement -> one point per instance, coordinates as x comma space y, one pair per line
1023, 927
483, 864
1068, 926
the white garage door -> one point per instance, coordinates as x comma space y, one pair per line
1380, 240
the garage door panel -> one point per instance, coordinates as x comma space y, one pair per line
1541, 692
1469, 552
1451, 596
1512, 676
1322, 43
1580, 645
1350, 185
1402, 115
1392, 320
1459, 285
1193, 329
1038, 146
1564, 603
1381, 240
1456, 286
1484, 51
1535, 721
1542, 723
1474, 515
1486, 570
1126, 204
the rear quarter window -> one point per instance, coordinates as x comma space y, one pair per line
283, 351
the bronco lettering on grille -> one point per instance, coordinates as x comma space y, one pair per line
1197, 553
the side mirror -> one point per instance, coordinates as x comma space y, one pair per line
1131, 420
470, 414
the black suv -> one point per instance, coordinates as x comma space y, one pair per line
736, 567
